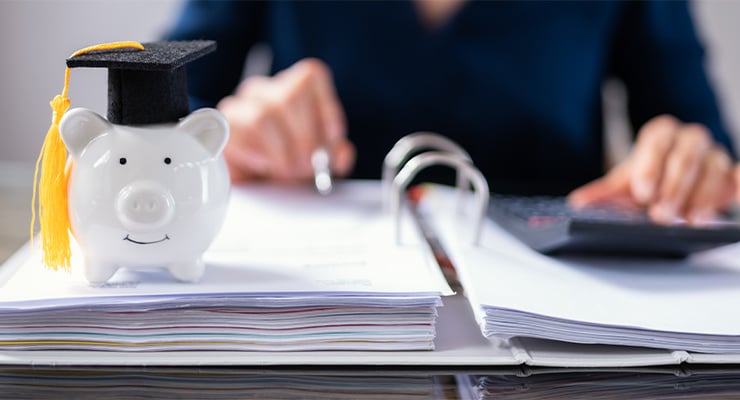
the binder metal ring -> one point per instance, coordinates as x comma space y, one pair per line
402, 150
463, 167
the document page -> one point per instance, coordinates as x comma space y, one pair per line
291, 270
515, 291
275, 241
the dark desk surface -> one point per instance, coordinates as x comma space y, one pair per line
366, 383
335, 382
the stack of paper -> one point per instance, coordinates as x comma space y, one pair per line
687, 305
291, 270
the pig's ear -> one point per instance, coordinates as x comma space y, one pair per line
79, 127
209, 127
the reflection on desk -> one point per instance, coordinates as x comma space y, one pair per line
364, 383
195, 383
603, 384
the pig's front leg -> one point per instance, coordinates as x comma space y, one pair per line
98, 272
188, 271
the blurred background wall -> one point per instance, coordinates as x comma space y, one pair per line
37, 36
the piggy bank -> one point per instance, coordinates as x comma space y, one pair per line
145, 197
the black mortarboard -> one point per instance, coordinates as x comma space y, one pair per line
146, 86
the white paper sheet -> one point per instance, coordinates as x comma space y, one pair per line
684, 305
328, 263
276, 241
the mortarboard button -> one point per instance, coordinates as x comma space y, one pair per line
146, 86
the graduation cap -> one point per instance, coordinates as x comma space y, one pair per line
146, 85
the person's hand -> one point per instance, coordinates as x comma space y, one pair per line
675, 170
278, 122
737, 183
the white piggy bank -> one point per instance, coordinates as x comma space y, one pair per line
151, 196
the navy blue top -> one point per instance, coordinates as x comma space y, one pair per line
518, 84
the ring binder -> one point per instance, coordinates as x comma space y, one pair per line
464, 168
404, 147
306, 273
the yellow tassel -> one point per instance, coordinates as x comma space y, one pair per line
52, 185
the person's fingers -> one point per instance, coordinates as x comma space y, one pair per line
675, 170
244, 165
256, 142
292, 99
277, 123
613, 184
283, 110
253, 84
714, 188
654, 142
332, 119
736, 174
592, 192
300, 113
277, 146
343, 157
325, 113
682, 167
243, 161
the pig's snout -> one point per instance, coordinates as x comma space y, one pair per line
145, 205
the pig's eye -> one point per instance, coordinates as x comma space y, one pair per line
167, 160
122, 160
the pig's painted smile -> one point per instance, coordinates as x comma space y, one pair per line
152, 242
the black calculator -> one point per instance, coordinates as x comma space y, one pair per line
550, 226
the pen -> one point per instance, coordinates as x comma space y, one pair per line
321, 170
